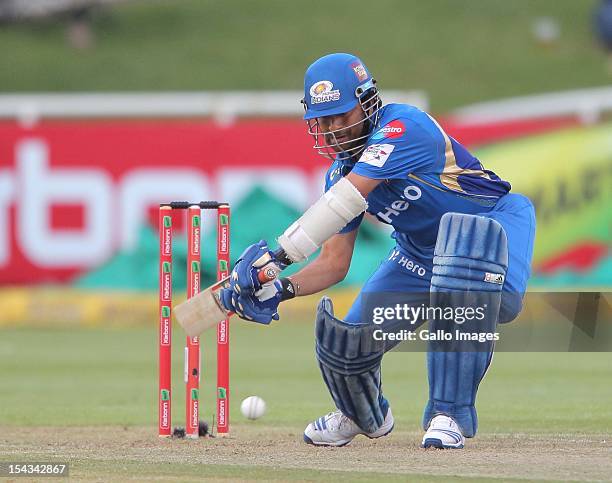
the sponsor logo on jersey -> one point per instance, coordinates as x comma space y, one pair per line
406, 262
323, 91
360, 71
388, 213
376, 154
394, 129
497, 278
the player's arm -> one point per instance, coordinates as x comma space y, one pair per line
330, 224
364, 185
342, 204
339, 206
332, 264
329, 268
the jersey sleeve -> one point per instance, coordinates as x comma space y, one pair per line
400, 147
333, 175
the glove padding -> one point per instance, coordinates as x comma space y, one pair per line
244, 277
261, 307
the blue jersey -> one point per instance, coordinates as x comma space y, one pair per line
425, 174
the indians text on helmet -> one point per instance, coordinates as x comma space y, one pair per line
322, 92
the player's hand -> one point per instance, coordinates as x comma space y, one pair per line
256, 263
261, 307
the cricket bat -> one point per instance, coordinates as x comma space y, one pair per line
205, 310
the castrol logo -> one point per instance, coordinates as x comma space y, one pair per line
394, 129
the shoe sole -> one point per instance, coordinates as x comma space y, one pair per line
308, 440
437, 443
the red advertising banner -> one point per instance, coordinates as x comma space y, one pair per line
72, 193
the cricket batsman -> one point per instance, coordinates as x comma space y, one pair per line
461, 237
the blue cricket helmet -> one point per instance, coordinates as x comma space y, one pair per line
334, 84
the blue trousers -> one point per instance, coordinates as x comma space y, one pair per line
402, 271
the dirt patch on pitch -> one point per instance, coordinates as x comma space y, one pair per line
551, 457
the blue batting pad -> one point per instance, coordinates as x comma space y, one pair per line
349, 360
469, 269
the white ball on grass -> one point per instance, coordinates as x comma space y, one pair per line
253, 407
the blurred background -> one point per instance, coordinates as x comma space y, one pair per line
109, 107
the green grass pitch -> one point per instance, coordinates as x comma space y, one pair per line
98, 386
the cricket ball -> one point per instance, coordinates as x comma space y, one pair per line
253, 407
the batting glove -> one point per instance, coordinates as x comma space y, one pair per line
256, 259
250, 306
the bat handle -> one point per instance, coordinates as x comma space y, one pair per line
264, 276
282, 257
271, 271
268, 273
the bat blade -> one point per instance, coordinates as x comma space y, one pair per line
202, 311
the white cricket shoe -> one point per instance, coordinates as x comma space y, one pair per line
442, 433
335, 429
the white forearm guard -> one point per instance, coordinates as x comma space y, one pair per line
330, 213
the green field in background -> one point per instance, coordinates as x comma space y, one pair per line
82, 377
458, 51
